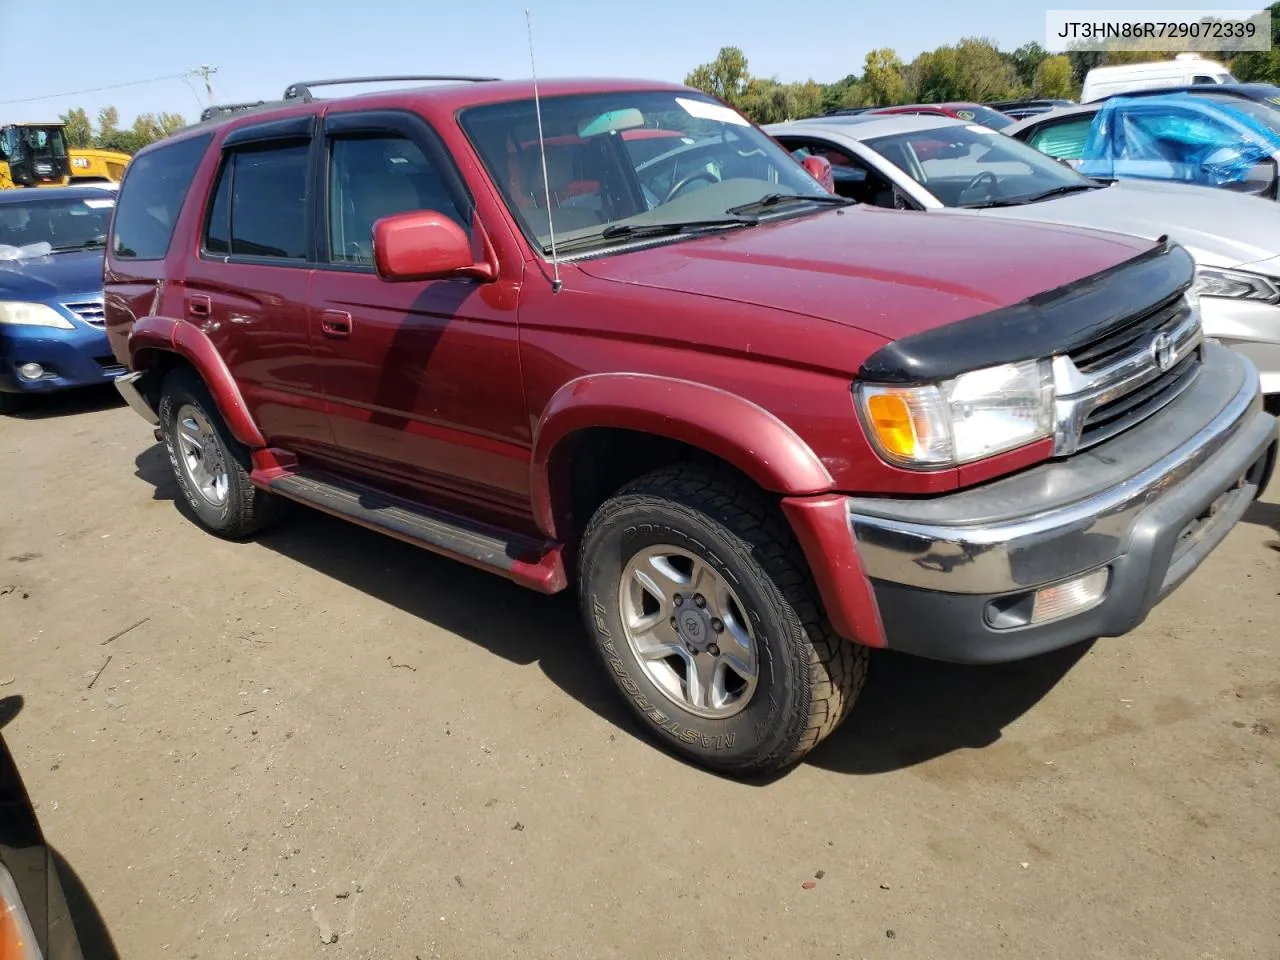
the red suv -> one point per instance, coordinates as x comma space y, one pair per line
759, 428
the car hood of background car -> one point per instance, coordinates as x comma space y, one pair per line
889, 272
58, 274
1218, 228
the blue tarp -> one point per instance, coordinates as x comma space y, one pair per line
1178, 136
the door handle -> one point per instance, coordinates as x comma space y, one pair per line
199, 305
335, 324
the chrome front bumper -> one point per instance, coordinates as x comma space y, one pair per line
1143, 504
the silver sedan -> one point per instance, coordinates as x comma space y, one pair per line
955, 168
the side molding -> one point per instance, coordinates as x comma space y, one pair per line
153, 334
723, 424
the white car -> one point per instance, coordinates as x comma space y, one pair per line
953, 168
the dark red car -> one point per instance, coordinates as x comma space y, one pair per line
960, 110
758, 428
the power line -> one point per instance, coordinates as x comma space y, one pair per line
110, 86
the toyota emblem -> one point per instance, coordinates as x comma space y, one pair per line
1162, 351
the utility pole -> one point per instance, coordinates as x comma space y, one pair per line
205, 71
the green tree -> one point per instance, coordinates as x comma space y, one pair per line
884, 81
1053, 78
1026, 60
934, 77
108, 124
983, 73
836, 95
1261, 66
79, 131
725, 77
170, 123
146, 127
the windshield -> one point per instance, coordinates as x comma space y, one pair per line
63, 223
619, 163
42, 143
1266, 116
972, 166
985, 116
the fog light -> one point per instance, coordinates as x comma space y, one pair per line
1074, 596
31, 371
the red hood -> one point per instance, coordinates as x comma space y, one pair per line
888, 272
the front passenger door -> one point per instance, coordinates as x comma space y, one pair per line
422, 378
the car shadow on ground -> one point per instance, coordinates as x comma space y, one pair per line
1265, 515
911, 711
91, 931
72, 403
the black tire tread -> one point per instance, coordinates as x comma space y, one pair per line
837, 668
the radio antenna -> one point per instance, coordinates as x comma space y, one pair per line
556, 283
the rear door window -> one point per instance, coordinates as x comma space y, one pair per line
151, 198
1063, 141
259, 208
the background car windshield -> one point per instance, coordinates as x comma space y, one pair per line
986, 116
65, 224
634, 158
1261, 113
969, 166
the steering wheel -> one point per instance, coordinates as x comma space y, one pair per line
681, 184
985, 177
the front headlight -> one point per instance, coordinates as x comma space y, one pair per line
18, 314
976, 415
1234, 285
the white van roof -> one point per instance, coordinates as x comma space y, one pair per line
1104, 81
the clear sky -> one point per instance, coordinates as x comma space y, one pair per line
260, 46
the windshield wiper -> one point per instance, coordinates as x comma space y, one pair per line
1037, 197
634, 231
773, 199
87, 245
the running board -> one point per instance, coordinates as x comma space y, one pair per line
537, 565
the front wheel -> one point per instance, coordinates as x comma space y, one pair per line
703, 610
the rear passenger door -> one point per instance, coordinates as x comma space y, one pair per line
248, 287
422, 378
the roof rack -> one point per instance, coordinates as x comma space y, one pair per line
302, 91
227, 109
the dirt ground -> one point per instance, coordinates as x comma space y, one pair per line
329, 731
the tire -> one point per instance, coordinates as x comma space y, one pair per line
218, 490
10, 402
806, 677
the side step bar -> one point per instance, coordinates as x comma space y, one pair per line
528, 562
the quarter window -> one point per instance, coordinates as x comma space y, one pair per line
371, 177
151, 198
260, 206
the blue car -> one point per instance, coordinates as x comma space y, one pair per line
51, 322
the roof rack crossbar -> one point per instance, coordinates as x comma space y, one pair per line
302, 91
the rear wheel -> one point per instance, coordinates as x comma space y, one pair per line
703, 610
209, 464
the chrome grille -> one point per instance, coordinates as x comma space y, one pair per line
90, 311
1118, 380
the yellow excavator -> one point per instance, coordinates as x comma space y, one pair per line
36, 155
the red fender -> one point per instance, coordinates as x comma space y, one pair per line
723, 424
152, 333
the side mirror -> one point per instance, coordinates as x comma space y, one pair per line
1263, 176
424, 245
820, 169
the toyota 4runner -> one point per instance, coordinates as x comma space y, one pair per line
617, 338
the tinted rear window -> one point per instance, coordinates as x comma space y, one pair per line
151, 198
